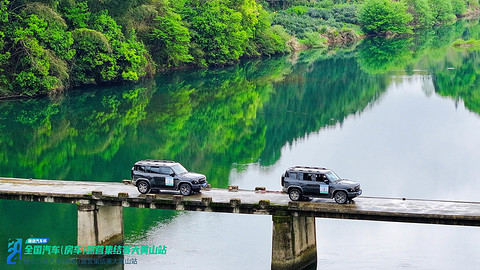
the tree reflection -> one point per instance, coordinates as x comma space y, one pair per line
215, 120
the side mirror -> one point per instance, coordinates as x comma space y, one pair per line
172, 174
327, 181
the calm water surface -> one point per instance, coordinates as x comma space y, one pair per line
402, 117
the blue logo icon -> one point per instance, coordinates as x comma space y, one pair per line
15, 250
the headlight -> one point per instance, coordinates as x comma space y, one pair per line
194, 182
351, 189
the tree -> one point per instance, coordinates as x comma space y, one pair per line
4, 56
169, 40
384, 17
217, 30
421, 12
94, 61
442, 11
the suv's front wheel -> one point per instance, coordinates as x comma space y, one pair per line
341, 197
143, 187
185, 189
295, 194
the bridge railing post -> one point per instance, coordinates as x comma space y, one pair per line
293, 242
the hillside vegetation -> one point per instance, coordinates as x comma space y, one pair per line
47, 46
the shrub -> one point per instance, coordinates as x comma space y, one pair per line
299, 10
458, 7
170, 39
421, 12
442, 11
296, 25
217, 31
313, 40
384, 16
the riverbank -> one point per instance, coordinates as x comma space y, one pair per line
47, 48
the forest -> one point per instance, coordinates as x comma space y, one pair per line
47, 46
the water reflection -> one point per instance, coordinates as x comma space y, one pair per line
211, 120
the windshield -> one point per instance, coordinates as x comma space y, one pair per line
332, 176
178, 169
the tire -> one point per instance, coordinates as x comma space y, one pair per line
143, 187
185, 189
295, 194
341, 197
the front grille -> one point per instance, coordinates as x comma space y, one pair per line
357, 188
201, 181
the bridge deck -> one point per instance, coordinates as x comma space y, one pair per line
243, 201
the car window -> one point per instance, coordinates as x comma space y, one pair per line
165, 170
286, 174
179, 169
307, 176
153, 169
332, 176
293, 175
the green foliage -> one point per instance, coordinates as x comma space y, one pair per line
270, 39
94, 61
301, 24
169, 40
379, 55
384, 16
472, 4
54, 34
460, 82
4, 56
421, 12
313, 40
345, 13
299, 10
442, 11
3, 11
42, 47
459, 7
296, 25
471, 44
77, 14
49, 45
218, 31
104, 54
273, 40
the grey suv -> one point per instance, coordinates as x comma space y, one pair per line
166, 175
301, 182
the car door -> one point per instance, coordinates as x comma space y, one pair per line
168, 179
311, 186
158, 178
319, 187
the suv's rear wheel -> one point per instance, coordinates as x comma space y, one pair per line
341, 197
295, 194
185, 189
143, 187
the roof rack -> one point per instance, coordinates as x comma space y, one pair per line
308, 168
159, 161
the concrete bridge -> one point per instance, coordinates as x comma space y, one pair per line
100, 211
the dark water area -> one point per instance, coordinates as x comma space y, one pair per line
400, 116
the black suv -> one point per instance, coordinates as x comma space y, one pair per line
301, 182
167, 175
